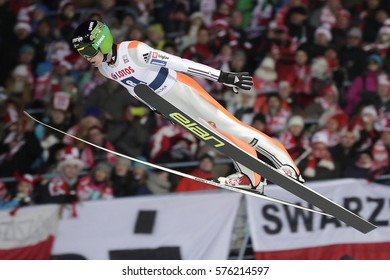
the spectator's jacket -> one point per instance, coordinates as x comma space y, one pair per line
87, 189
57, 190
186, 185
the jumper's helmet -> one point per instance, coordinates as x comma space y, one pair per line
92, 36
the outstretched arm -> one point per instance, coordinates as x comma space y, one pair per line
145, 56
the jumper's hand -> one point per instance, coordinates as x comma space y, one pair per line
240, 80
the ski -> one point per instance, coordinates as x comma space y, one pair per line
175, 172
224, 145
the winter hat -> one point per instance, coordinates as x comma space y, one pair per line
122, 160
158, 28
330, 88
144, 166
10, 117
196, 15
355, 32
268, 62
220, 24
70, 155
370, 109
283, 84
27, 48
298, 10
325, 31
261, 73
23, 25
296, 120
340, 118
319, 68
21, 70
344, 13
273, 25
104, 166
352, 130
61, 101
386, 125
385, 29
64, 4
320, 137
27, 178
43, 68
383, 79
376, 58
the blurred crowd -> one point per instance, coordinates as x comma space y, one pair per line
321, 87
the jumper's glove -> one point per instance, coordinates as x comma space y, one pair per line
240, 80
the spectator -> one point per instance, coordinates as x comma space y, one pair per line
24, 195
201, 47
60, 118
20, 85
286, 97
67, 19
381, 151
368, 126
365, 86
128, 20
180, 151
259, 122
155, 36
141, 176
361, 167
276, 116
262, 13
319, 165
164, 137
81, 130
97, 185
298, 25
370, 23
264, 81
62, 188
19, 147
322, 40
346, 151
52, 158
42, 39
92, 155
351, 55
6, 198
204, 170
321, 75
382, 102
332, 127
106, 99
294, 139
300, 79
135, 127
122, 178
159, 182
190, 36
243, 108
340, 30
326, 104
326, 14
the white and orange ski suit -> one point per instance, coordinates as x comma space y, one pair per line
136, 62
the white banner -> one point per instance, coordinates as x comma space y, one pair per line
28, 234
196, 225
282, 232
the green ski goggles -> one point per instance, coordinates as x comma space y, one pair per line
88, 51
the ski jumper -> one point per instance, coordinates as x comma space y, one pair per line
136, 62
